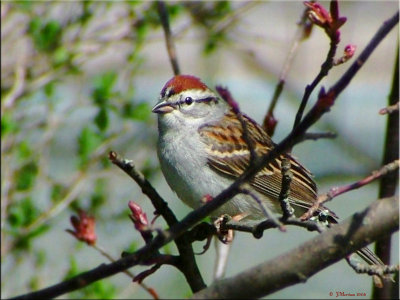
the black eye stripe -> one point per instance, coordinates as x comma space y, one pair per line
190, 100
208, 99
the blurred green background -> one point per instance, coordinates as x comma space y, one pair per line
78, 79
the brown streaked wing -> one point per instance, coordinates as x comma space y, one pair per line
303, 191
229, 154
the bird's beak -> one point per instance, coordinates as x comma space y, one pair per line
162, 107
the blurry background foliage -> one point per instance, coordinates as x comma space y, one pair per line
78, 79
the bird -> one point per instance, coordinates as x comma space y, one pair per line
202, 150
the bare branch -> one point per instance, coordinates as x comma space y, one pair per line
141, 276
379, 270
103, 252
381, 217
160, 205
389, 183
184, 246
18, 87
336, 191
163, 13
257, 228
319, 135
264, 208
334, 36
344, 81
304, 28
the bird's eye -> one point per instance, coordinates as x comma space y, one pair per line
188, 100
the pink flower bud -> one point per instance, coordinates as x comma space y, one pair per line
84, 227
349, 50
269, 124
318, 14
138, 217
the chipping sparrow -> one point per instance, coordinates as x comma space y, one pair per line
202, 151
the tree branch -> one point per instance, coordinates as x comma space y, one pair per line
334, 36
380, 270
380, 218
159, 204
257, 228
303, 31
388, 183
187, 260
163, 14
336, 191
344, 81
319, 135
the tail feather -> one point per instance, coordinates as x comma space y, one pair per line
369, 257
372, 259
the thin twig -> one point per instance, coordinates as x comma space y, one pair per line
229, 19
103, 252
190, 269
141, 276
336, 191
390, 109
257, 228
264, 208
303, 26
345, 80
325, 68
319, 135
73, 190
201, 232
379, 270
17, 88
160, 205
163, 14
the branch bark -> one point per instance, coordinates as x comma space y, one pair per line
380, 218
163, 14
388, 183
187, 262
